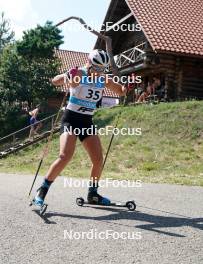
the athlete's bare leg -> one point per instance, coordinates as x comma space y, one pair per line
67, 148
92, 144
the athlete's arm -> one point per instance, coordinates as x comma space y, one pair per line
59, 80
116, 87
71, 79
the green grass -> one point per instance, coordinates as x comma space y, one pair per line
170, 149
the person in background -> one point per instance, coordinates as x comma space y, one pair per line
25, 107
159, 87
130, 86
35, 124
150, 88
138, 91
145, 93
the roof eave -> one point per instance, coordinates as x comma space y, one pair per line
109, 10
161, 51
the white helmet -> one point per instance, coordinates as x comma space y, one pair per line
99, 58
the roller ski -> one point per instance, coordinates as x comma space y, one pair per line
38, 200
93, 198
130, 205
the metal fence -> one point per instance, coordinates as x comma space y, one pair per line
21, 137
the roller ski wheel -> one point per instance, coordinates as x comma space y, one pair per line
42, 208
129, 204
80, 201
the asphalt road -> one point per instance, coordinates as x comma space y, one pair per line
166, 228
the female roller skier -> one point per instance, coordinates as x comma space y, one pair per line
86, 87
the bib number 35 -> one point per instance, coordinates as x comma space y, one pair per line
93, 94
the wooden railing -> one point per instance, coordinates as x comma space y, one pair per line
131, 56
20, 138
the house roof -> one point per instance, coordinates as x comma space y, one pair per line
71, 59
172, 26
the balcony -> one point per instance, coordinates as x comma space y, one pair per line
130, 56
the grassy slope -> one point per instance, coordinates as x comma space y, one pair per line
170, 149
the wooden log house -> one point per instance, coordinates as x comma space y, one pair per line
168, 44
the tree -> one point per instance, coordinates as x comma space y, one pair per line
26, 69
37, 54
11, 90
6, 34
39, 43
28, 65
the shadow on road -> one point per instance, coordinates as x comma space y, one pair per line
155, 223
